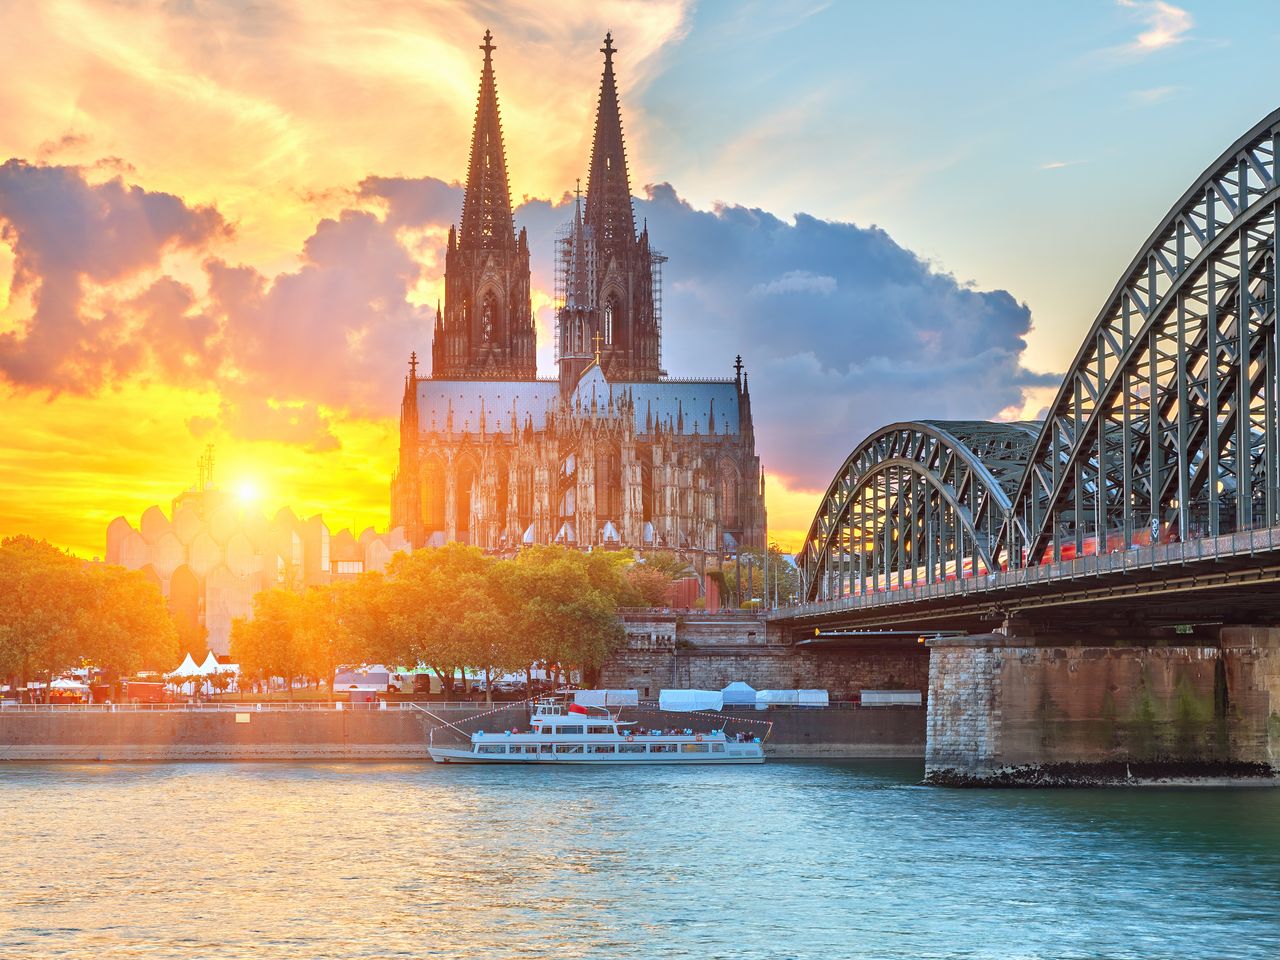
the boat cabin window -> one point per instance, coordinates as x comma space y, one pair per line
574, 729
662, 748
545, 748
631, 748
568, 748
599, 729
717, 748
492, 748
694, 747
600, 748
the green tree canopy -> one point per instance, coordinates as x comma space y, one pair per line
42, 591
124, 625
272, 643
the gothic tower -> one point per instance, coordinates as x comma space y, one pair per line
611, 306
486, 330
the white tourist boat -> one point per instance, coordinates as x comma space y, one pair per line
562, 733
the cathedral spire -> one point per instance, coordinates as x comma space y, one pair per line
486, 329
609, 212
487, 222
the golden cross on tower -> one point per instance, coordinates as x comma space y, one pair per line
596, 340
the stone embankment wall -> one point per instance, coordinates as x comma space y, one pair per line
842, 673
218, 735
846, 734
399, 734
999, 704
660, 630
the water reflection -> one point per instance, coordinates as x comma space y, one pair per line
786, 860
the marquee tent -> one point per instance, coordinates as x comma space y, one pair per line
682, 701
64, 684
606, 698
739, 693
187, 668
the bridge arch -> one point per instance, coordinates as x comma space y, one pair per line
915, 502
1167, 420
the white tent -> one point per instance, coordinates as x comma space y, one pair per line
606, 698
682, 701
791, 698
739, 693
187, 668
61, 684
769, 698
210, 665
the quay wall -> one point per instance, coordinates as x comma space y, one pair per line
842, 673
1019, 709
372, 735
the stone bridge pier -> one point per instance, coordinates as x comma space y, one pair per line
1062, 710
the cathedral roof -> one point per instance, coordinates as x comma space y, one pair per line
465, 400
680, 406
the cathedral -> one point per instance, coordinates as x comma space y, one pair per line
611, 453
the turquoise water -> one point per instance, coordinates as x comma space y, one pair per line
813, 860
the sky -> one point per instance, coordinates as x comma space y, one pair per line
223, 223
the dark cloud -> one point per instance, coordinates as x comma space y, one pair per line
338, 330
68, 141
842, 329
64, 231
415, 202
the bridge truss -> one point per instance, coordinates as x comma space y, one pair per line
1164, 428
915, 502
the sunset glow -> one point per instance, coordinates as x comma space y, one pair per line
242, 211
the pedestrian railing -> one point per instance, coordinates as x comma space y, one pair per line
249, 707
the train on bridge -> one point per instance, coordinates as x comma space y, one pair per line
1165, 430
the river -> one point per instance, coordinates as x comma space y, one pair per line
787, 860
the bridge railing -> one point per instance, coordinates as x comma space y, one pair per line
1233, 545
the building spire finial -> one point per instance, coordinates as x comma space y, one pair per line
608, 208
487, 220
413, 365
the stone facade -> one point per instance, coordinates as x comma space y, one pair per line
707, 652
999, 703
611, 453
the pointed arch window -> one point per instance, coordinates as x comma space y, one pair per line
488, 317
608, 320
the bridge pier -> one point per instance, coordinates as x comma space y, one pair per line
1061, 711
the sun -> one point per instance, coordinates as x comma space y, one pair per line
247, 491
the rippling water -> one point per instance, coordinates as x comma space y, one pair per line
818, 860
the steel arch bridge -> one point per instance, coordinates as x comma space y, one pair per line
1164, 429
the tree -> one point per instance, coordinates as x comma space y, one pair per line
432, 598
651, 585
41, 592
670, 563
485, 631
124, 625
271, 644
326, 623
562, 606
744, 578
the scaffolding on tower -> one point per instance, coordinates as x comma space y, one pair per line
656, 260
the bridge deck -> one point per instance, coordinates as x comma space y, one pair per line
1222, 577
